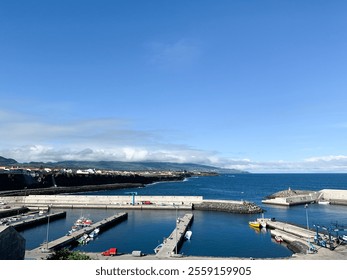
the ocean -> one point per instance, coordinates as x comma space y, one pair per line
216, 234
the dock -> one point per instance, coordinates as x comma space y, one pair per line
28, 221
172, 244
44, 250
292, 229
299, 238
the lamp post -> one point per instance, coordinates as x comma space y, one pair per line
47, 232
48, 216
176, 228
308, 241
25, 195
306, 206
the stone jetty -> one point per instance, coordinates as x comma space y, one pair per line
231, 206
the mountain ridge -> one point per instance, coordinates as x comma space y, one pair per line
123, 165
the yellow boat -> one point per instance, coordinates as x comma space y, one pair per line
254, 224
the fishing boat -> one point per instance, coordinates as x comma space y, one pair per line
255, 224
73, 229
84, 222
83, 239
157, 249
263, 221
188, 235
94, 233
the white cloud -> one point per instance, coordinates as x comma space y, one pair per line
126, 153
30, 139
315, 164
331, 158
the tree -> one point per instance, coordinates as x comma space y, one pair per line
65, 254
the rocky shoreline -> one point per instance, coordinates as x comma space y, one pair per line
22, 183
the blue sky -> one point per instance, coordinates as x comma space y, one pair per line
254, 85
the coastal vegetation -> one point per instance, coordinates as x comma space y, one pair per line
65, 254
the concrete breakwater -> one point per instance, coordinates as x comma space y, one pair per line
133, 202
240, 207
293, 197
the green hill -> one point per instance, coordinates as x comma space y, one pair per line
135, 166
7, 161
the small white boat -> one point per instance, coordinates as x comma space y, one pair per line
157, 249
324, 202
94, 233
263, 221
83, 239
188, 235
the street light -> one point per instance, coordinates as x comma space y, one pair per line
308, 241
306, 206
25, 195
174, 205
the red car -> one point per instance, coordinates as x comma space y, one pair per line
110, 252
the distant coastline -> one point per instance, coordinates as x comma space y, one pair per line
81, 176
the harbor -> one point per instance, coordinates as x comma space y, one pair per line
149, 218
46, 249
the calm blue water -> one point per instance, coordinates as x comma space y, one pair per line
214, 233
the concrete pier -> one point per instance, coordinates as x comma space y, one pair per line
293, 200
44, 250
292, 231
136, 202
106, 202
302, 241
172, 244
290, 197
36, 220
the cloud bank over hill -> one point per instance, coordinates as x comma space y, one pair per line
28, 139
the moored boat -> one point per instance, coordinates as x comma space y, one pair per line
324, 202
263, 221
84, 222
157, 249
188, 235
278, 238
254, 224
94, 233
83, 239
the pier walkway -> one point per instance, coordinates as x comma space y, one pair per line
134, 202
174, 241
292, 230
33, 220
44, 250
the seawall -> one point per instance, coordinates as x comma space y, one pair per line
132, 202
240, 207
288, 198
